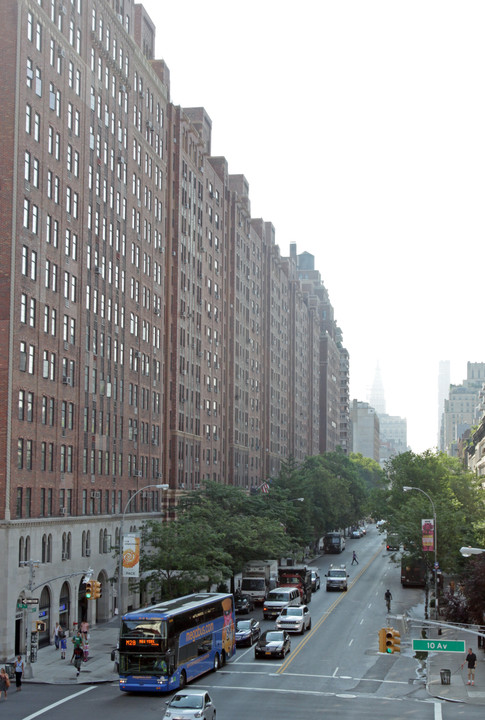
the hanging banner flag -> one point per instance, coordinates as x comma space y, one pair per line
131, 555
427, 528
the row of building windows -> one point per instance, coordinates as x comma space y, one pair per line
93, 502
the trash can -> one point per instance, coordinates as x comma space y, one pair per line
445, 677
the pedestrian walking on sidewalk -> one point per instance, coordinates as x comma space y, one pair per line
4, 683
354, 558
84, 630
63, 641
471, 660
19, 669
56, 635
78, 658
77, 641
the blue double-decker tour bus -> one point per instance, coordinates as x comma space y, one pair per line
165, 646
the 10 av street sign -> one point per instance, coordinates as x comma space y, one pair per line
456, 646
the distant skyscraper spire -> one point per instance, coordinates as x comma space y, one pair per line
376, 396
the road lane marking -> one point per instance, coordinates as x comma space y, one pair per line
351, 641
59, 702
335, 672
325, 615
257, 671
437, 711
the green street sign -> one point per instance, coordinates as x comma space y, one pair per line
453, 646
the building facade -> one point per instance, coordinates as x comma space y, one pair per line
153, 332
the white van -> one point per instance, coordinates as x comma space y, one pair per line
278, 599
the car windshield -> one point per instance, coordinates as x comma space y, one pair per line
292, 611
337, 573
187, 701
243, 625
272, 636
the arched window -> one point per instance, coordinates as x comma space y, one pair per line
27, 548
21, 550
44, 548
83, 543
100, 542
68, 545
64, 555
49, 548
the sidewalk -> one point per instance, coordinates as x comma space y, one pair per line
99, 668
457, 690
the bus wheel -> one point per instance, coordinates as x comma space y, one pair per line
183, 679
217, 663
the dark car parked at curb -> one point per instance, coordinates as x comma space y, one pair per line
273, 643
244, 604
247, 631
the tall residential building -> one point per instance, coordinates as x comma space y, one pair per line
153, 333
443, 391
392, 436
334, 358
365, 430
462, 409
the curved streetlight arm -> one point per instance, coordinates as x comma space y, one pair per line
120, 558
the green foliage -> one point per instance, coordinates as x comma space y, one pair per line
456, 495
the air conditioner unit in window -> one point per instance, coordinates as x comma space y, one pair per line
62, 511
137, 354
156, 311
158, 475
138, 473
61, 52
97, 270
66, 380
95, 494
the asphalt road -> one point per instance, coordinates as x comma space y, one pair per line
333, 670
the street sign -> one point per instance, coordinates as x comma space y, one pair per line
32, 601
453, 646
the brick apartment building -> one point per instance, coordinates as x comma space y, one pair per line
152, 331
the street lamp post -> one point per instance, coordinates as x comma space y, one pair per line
120, 559
406, 488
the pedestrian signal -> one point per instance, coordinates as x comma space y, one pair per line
97, 590
393, 641
89, 589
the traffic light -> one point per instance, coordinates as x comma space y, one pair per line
393, 641
89, 589
97, 590
382, 640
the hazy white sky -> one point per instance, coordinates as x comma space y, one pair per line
360, 127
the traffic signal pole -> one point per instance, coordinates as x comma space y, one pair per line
32, 634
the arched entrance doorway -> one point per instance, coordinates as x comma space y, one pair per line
45, 616
65, 606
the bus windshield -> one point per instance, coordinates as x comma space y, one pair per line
142, 665
144, 629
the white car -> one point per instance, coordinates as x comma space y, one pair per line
188, 703
294, 619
